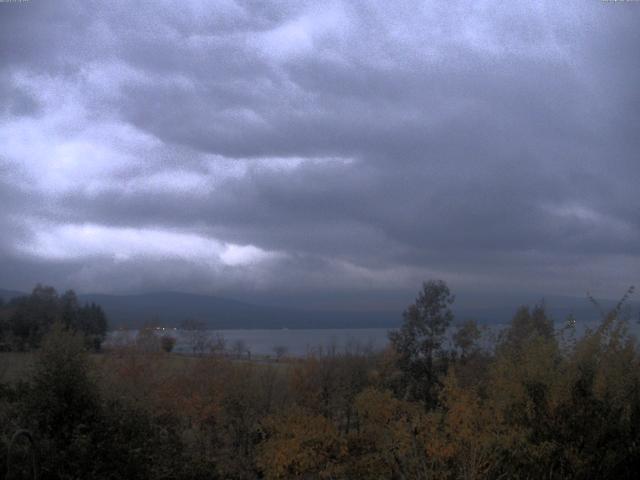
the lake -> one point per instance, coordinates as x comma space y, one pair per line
300, 342
296, 342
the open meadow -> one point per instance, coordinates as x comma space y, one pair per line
16, 366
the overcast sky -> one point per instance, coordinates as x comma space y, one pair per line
336, 151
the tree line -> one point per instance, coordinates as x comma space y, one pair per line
537, 402
26, 320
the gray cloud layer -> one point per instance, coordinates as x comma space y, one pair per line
304, 147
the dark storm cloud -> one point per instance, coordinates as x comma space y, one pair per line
361, 146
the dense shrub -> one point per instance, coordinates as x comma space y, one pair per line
167, 343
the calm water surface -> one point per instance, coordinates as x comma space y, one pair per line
295, 342
300, 342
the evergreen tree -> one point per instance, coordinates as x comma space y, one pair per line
418, 343
33, 316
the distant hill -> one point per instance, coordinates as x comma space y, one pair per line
9, 294
496, 309
171, 308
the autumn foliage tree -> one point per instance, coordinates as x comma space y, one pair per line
300, 444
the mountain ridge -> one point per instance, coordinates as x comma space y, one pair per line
170, 308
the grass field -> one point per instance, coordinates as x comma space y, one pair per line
15, 366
